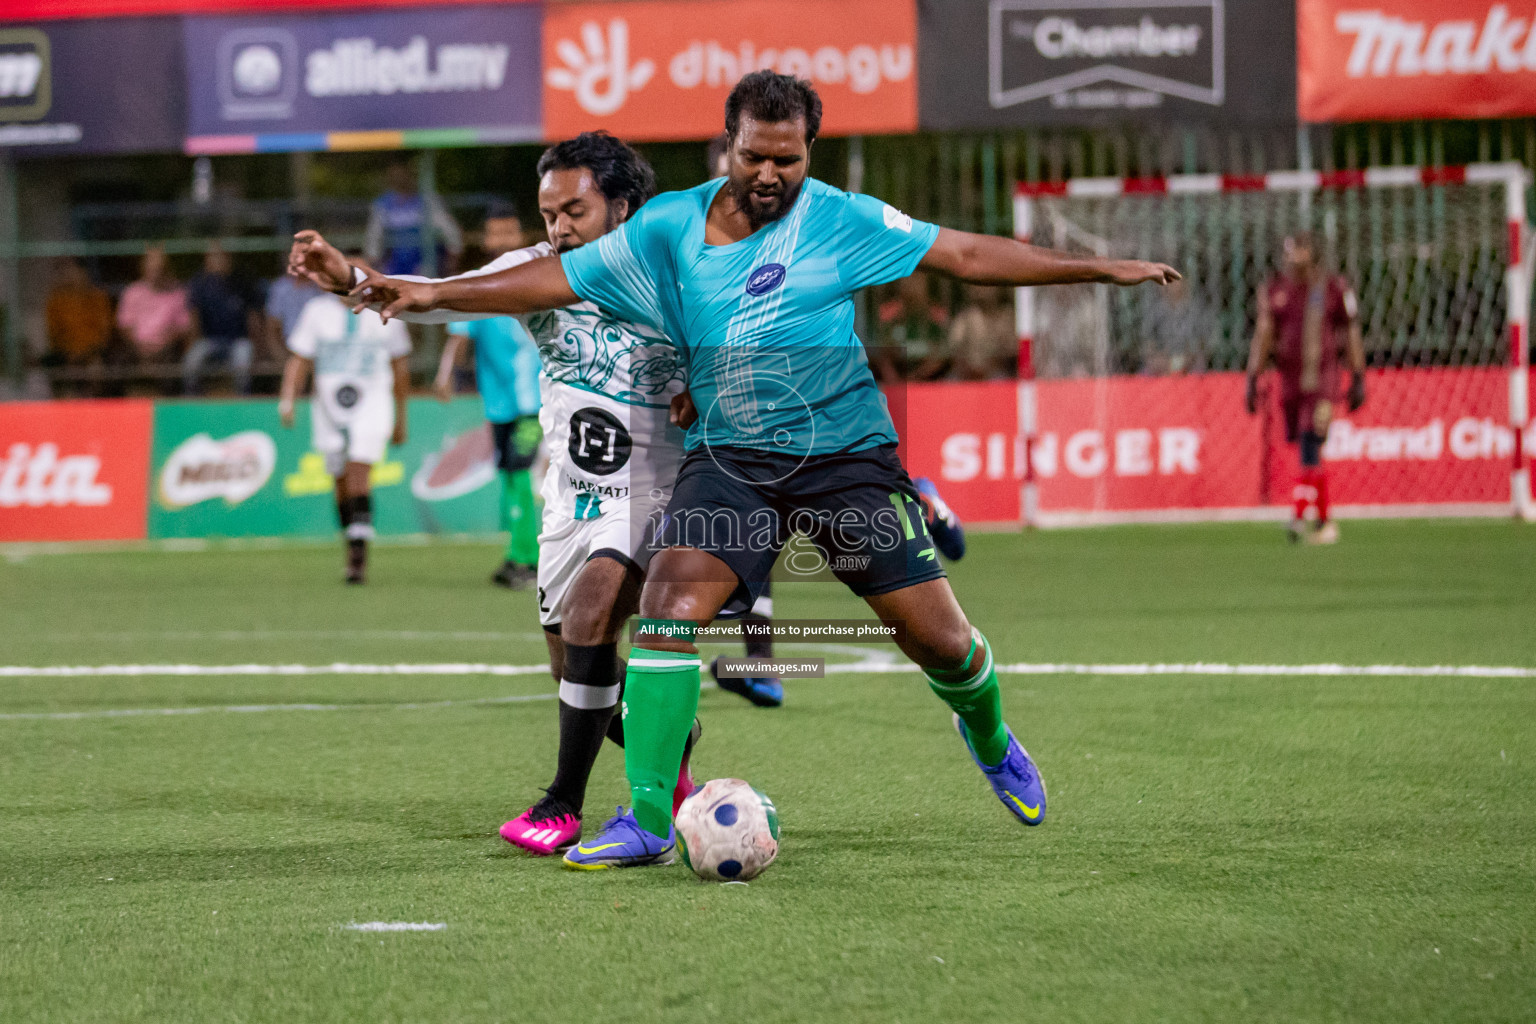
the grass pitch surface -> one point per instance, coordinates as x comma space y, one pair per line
1217, 848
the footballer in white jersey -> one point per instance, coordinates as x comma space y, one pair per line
606, 386
361, 380
605, 390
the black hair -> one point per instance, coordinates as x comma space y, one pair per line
768, 96
617, 170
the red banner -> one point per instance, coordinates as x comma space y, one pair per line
662, 70
1186, 446
44, 10
74, 470
1403, 59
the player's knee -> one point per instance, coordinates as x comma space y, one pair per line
944, 647
590, 622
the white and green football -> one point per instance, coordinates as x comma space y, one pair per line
728, 831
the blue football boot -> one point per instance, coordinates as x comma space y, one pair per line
1016, 781
764, 691
943, 525
622, 843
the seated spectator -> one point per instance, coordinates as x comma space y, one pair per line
79, 318
1178, 332
982, 341
286, 297
912, 327
152, 311
226, 323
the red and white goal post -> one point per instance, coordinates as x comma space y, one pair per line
1130, 401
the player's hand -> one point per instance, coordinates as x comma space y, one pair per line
1356, 392
312, 257
1128, 272
391, 296
398, 437
1251, 395
442, 387
682, 411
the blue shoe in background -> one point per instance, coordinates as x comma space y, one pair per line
943, 525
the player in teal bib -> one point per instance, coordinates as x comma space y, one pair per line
766, 323
753, 278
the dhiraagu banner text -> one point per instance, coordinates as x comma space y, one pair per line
229, 469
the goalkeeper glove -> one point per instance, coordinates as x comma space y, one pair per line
1356, 392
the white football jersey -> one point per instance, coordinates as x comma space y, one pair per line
606, 386
354, 381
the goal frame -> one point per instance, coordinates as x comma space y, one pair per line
1512, 176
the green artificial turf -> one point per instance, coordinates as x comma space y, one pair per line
1218, 848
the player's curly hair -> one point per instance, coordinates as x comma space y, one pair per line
617, 170
769, 96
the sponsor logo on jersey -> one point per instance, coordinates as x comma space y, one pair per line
37, 477
201, 468
766, 278
599, 444
347, 396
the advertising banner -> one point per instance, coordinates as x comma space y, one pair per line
1406, 59
1144, 445
229, 469
1011, 63
662, 70
410, 68
30, 10
91, 86
73, 471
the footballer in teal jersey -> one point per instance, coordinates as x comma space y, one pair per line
753, 278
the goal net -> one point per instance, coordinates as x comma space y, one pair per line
1131, 401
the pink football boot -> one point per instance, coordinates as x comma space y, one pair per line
543, 830
685, 785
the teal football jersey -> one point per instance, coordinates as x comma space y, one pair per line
764, 325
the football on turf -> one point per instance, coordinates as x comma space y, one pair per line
728, 831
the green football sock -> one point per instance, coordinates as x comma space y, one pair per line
971, 691
661, 697
519, 517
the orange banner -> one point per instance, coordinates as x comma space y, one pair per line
655, 71
1388, 60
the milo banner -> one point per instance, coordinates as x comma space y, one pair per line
229, 469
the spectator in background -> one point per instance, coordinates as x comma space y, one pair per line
393, 243
912, 328
1178, 331
152, 311
982, 341
286, 297
79, 318
507, 372
226, 322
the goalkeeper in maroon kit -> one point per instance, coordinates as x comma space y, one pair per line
1309, 320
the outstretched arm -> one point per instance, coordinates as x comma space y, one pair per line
1259, 350
527, 288
987, 259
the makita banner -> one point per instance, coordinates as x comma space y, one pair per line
412, 68
1185, 447
73, 470
1404, 59
91, 86
1007, 63
662, 70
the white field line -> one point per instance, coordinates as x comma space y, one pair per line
296, 634
395, 926
871, 666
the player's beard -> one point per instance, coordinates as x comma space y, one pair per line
764, 208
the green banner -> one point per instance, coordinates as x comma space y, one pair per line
229, 469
